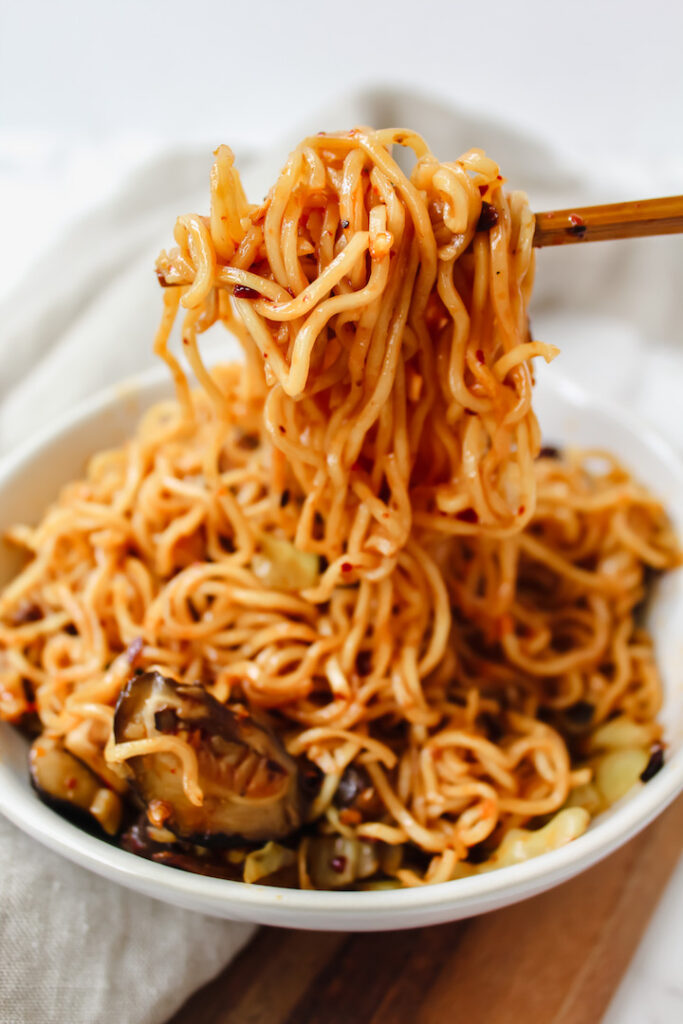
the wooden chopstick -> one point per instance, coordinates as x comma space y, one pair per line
613, 220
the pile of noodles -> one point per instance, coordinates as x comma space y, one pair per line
352, 529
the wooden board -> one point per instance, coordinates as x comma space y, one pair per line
555, 959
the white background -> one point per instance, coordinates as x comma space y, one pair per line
89, 90
603, 78
88, 87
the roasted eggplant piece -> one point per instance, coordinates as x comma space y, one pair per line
249, 785
161, 846
65, 783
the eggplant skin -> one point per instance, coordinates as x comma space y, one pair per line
67, 785
250, 785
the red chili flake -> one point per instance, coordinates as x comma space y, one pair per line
284, 498
346, 567
470, 412
521, 510
186, 341
467, 515
162, 280
488, 218
158, 812
350, 816
578, 227
71, 783
290, 290
479, 355
483, 189
243, 291
283, 430
338, 864
134, 651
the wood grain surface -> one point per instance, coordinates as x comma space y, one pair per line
555, 959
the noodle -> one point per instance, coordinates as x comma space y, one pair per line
351, 535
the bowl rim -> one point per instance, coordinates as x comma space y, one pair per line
607, 832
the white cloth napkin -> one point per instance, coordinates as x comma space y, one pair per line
73, 947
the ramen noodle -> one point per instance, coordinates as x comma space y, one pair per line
335, 618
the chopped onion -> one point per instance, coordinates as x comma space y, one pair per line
335, 861
279, 564
618, 771
266, 861
621, 732
521, 844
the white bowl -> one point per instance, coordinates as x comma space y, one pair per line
30, 477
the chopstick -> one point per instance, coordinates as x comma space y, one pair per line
636, 219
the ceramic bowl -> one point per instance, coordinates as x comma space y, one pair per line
30, 477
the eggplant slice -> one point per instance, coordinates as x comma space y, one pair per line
250, 784
71, 788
